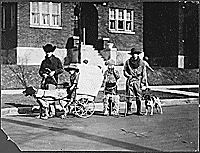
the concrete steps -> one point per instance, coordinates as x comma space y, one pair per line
93, 56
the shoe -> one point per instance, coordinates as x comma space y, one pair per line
116, 115
129, 112
38, 117
63, 116
139, 113
51, 116
105, 113
44, 118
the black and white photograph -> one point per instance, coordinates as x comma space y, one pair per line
100, 76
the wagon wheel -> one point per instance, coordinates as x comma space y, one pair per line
84, 108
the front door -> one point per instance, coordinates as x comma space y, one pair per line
89, 21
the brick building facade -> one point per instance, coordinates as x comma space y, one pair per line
30, 39
27, 26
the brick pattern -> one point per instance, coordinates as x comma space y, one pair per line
37, 37
123, 42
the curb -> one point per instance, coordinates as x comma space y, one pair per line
99, 106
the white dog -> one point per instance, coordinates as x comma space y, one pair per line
45, 98
152, 101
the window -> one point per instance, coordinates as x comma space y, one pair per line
45, 14
8, 19
3, 25
121, 20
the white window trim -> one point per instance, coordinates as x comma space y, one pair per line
4, 18
40, 25
116, 30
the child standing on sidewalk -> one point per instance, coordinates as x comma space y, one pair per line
110, 88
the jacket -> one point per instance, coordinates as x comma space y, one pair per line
54, 64
137, 74
111, 76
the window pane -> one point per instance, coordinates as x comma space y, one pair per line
121, 14
45, 7
35, 7
112, 24
3, 18
112, 13
128, 25
45, 19
35, 18
128, 15
55, 8
121, 25
54, 19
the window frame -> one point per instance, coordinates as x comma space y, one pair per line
3, 27
116, 21
50, 13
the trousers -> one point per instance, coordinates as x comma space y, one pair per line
115, 102
133, 89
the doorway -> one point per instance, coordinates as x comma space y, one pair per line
161, 33
89, 21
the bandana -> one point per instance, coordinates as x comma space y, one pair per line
134, 63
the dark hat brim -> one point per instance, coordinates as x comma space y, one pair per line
52, 49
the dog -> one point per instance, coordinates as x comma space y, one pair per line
45, 98
152, 101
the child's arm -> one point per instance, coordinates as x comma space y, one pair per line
75, 82
116, 74
147, 65
104, 79
150, 68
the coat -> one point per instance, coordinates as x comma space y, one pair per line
54, 64
136, 77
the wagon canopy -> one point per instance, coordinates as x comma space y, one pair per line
90, 80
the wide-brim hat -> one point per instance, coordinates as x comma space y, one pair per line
110, 62
135, 51
71, 67
49, 48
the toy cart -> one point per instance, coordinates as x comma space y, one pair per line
89, 83
83, 104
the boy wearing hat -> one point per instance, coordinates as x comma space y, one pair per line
50, 67
74, 76
135, 72
110, 79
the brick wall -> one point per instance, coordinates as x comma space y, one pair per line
122, 42
37, 37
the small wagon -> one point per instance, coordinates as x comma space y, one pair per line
89, 83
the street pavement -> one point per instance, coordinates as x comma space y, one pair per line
98, 106
174, 130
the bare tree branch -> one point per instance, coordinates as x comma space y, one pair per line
20, 71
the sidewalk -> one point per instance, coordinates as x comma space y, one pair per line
164, 88
99, 106
175, 130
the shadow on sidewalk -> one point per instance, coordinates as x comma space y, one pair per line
83, 135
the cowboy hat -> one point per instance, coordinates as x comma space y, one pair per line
71, 67
49, 48
110, 62
134, 51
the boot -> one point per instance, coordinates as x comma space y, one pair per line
138, 103
129, 111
